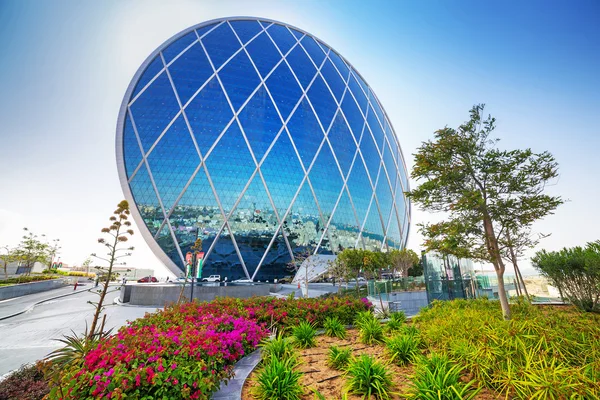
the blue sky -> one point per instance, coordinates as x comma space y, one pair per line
65, 66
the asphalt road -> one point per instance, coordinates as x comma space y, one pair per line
31, 336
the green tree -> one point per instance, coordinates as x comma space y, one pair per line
402, 260
482, 190
355, 261
31, 250
7, 255
575, 272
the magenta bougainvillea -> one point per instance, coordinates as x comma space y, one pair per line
186, 351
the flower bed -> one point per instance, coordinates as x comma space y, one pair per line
185, 351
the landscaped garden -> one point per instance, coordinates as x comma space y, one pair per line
453, 350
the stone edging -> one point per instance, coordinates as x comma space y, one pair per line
232, 390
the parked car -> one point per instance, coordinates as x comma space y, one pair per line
212, 278
148, 279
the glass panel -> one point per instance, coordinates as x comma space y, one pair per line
301, 65
343, 228
393, 232
340, 64
313, 49
154, 109
376, 106
246, 29
178, 46
359, 188
384, 195
151, 70
355, 119
131, 148
323, 46
361, 82
375, 129
401, 206
326, 181
389, 163
146, 200
360, 97
165, 241
260, 122
282, 37
239, 79
202, 31
220, 44
253, 224
342, 143
264, 54
208, 114
296, 33
322, 101
370, 155
223, 260
305, 132
373, 231
282, 172
173, 161
265, 24
284, 89
230, 166
333, 79
196, 215
276, 262
190, 71
305, 225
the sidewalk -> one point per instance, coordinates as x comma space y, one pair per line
18, 305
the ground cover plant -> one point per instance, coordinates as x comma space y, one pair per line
27, 383
368, 377
338, 358
304, 335
542, 353
187, 350
334, 328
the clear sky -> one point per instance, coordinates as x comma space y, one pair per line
65, 66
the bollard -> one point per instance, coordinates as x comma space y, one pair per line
75, 286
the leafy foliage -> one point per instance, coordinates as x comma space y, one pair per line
278, 347
371, 331
368, 377
27, 383
338, 358
437, 378
334, 328
277, 380
575, 272
396, 321
544, 353
403, 349
304, 335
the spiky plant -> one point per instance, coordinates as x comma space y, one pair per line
334, 328
304, 335
338, 358
402, 349
368, 377
277, 380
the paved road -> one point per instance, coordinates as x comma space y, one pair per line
30, 336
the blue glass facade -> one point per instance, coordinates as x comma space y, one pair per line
265, 143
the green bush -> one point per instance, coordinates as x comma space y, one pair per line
396, 321
26, 383
371, 331
304, 335
277, 380
278, 348
437, 378
334, 328
541, 353
368, 377
26, 279
402, 349
338, 358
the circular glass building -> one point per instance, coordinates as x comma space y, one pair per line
262, 141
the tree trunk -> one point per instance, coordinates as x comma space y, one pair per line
520, 278
494, 252
502, 294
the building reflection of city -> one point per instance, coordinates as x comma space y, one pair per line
253, 229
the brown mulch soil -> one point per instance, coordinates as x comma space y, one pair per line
331, 383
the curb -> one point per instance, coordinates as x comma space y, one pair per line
31, 307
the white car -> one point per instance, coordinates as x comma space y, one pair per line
212, 278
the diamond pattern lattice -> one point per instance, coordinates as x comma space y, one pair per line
263, 142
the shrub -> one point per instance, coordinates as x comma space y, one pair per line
304, 335
26, 279
371, 331
545, 352
279, 348
277, 380
27, 383
338, 358
334, 328
367, 377
362, 317
396, 321
437, 378
402, 349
